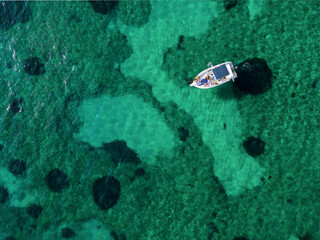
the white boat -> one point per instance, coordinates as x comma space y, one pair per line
214, 76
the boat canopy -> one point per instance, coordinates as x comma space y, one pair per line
220, 71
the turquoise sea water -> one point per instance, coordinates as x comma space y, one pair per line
102, 138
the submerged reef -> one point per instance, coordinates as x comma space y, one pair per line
34, 210
16, 105
132, 13
106, 192
4, 194
228, 4
139, 172
120, 152
67, 232
57, 180
104, 7
183, 133
10, 238
254, 76
33, 66
12, 12
254, 146
240, 238
17, 167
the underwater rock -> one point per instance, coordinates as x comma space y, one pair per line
34, 67
228, 4
12, 12
16, 105
306, 237
34, 210
254, 76
10, 238
17, 167
134, 13
86, 146
57, 180
183, 133
254, 146
103, 7
315, 83
4, 194
180, 41
67, 232
106, 192
122, 236
114, 235
139, 172
120, 152
1, 147
8, 65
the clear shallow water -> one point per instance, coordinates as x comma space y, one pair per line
121, 77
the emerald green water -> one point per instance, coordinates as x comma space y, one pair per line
121, 76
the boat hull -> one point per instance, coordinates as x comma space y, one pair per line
215, 76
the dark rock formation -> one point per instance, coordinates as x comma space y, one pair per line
10, 238
1, 147
106, 192
254, 76
8, 65
122, 236
34, 67
240, 238
314, 84
103, 7
115, 236
4, 194
86, 146
183, 133
16, 105
180, 41
120, 152
57, 180
306, 237
12, 12
17, 167
139, 172
34, 210
254, 146
67, 232
228, 4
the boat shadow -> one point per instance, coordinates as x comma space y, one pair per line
225, 91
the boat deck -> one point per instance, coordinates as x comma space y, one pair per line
215, 76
